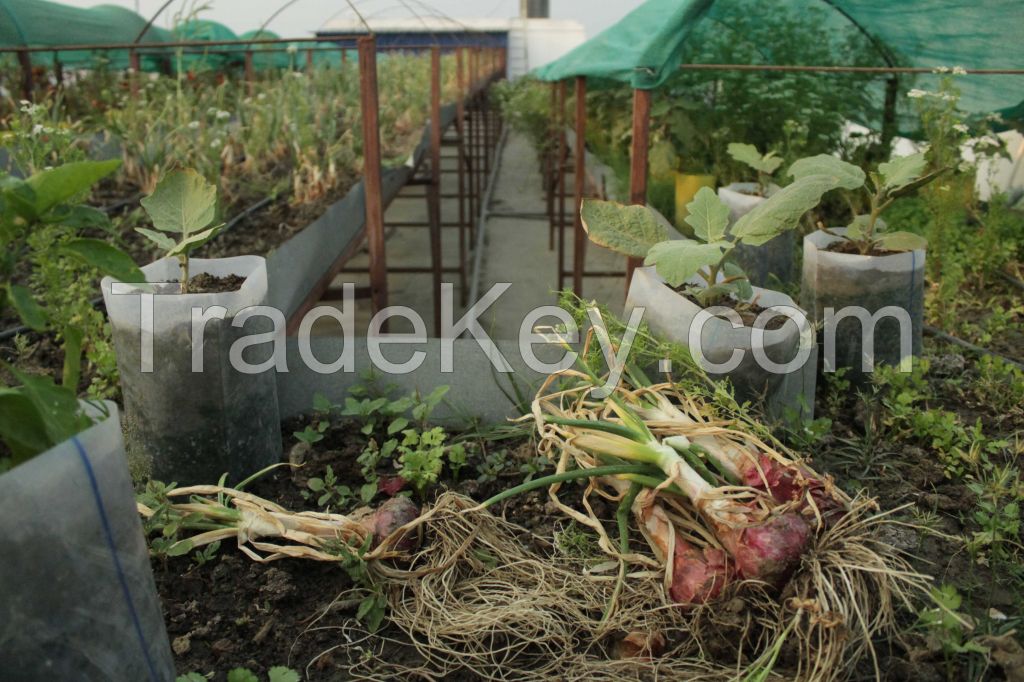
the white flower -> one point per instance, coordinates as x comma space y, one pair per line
959, 71
37, 128
961, 127
262, 96
940, 69
194, 125
223, 115
211, 111
292, 49
298, 74
917, 94
216, 144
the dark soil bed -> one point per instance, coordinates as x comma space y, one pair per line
234, 612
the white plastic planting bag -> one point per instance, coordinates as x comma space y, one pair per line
770, 261
191, 426
79, 602
761, 375
853, 285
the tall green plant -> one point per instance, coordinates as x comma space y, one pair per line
38, 413
636, 231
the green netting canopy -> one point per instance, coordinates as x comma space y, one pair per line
267, 56
647, 46
215, 57
38, 23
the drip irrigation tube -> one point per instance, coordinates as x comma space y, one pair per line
939, 334
478, 249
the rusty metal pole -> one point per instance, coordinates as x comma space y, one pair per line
135, 64
638, 161
344, 56
372, 193
434, 193
309, 61
549, 170
250, 75
560, 183
579, 238
27, 79
460, 150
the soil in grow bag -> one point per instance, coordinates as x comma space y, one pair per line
188, 426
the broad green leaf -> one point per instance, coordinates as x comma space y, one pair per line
741, 285
630, 230
242, 675
183, 202
322, 403
31, 313
108, 259
21, 426
194, 241
180, 548
856, 230
901, 241
782, 211
846, 174
282, 674
79, 217
57, 406
21, 198
902, 171
159, 238
709, 216
57, 185
916, 184
679, 260
748, 154
191, 677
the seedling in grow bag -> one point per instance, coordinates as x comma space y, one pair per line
40, 413
183, 203
764, 164
891, 181
636, 231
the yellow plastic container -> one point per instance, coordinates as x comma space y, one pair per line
687, 186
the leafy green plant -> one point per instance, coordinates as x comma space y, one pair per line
892, 180
492, 466
183, 203
328, 490
764, 165
275, 674
636, 231
314, 433
421, 455
946, 627
40, 413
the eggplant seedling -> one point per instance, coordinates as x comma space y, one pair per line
183, 203
637, 231
892, 180
764, 165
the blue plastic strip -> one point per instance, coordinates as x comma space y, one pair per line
122, 578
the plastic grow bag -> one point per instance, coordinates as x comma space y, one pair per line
867, 284
783, 395
770, 261
191, 427
79, 602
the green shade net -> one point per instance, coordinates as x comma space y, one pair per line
647, 46
212, 58
38, 23
268, 56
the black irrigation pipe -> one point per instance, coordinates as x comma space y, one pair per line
265, 201
939, 334
1012, 280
